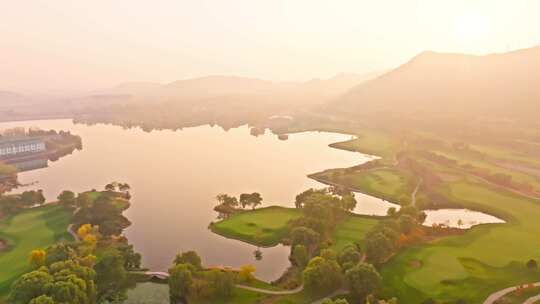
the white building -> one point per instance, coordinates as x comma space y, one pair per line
13, 146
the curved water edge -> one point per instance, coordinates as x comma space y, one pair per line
176, 174
453, 218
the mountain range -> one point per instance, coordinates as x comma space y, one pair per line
502, 85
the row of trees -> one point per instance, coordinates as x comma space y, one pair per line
74, 273
322, 210
227, 204
189, 279
10, 204
79, 272
403, 227
329, 271
102, 209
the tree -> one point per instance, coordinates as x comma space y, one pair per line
132, 259
391, 212
304, 236
348, 202
300, 256
226, 200
124, 187
302, 197
406, 223
110, 187
349, 257
30, 285
67, 198
32, 197
37, 258
222, 283
84, 230
244, 200
532, 264
362, 280
321, 276
110, 273
250, 199
246, 273
189, 257
180, 281
255, 199
59, 252
378, 247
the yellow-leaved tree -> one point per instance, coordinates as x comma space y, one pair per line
246, 273
37, 258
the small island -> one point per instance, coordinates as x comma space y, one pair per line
332, 249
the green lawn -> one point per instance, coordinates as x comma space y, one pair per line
488, 164
481, 261
390, 184
352, 230
239, 296
518, 297
148, 293
262, 227
35, 228
371, 142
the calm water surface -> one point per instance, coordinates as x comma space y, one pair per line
175, 176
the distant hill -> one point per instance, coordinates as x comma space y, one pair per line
504, 85
230, 87
127, 88
7, 97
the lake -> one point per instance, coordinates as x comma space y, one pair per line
175, 176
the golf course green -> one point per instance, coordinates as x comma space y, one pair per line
35, 228
477, 263
264, 227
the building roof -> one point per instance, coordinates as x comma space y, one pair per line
14, 141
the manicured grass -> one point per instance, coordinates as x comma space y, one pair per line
488, 164
148, 293
472, 265
387, 183
301, 297
518, 297
371, 142
239, 296
262, 227
352, 231
31, 229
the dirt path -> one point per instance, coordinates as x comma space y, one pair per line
413, 195
501, 293
70, 227
532, 300
272, 292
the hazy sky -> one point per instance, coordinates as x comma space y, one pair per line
72, 44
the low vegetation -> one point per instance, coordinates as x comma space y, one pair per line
25, 231
262, 227
94, 269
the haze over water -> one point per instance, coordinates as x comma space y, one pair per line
175, 176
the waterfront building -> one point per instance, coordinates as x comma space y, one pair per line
10, 147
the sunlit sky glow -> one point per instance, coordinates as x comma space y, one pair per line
78, 45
